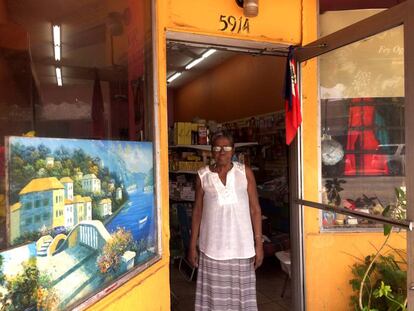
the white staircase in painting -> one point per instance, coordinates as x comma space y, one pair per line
42, 248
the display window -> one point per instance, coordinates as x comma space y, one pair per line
362, 128
78, 214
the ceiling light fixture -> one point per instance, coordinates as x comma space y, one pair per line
199, 60
59, 76
57, 42
194, 63
209, 53
57, 53
174, 76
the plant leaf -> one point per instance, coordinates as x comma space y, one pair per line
387, 229
386, 210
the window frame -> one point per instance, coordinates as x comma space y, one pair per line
400, 14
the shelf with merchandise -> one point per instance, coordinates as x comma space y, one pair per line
184, 172
208, 147
197, 147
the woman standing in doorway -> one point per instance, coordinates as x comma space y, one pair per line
227, 222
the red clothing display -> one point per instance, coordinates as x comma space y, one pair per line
361, 138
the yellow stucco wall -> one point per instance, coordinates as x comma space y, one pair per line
147, 292
278, 21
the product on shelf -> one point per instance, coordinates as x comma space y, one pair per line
188, 133
181, 189
202, 135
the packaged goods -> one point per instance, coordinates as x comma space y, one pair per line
202, 135
180, 131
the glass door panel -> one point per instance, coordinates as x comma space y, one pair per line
362, 128
355, 172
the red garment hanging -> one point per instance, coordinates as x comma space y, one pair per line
361, 134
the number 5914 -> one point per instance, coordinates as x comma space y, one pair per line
233, 24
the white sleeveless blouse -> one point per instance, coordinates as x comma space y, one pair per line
226, 229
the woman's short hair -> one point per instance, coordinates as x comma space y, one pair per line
222, 134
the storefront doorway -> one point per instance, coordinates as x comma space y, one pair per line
240, 90
377, 164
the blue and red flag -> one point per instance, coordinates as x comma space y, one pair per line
293, 116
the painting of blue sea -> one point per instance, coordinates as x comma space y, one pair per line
81, 215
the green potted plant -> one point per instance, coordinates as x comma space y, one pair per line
380, 280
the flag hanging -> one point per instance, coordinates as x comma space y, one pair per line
293, 116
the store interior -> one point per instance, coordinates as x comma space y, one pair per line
239, 92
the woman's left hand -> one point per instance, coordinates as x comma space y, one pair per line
258, 259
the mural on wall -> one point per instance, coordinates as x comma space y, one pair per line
81, 214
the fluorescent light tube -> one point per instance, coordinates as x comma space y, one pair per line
56, 35
193, 63
57, 42
57, 53
209, 53
199, 60
174, 76
59, 76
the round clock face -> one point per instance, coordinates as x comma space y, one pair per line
332, 151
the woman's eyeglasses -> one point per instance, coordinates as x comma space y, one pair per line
220, 148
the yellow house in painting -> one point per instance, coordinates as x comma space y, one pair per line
79, 206
15, 221
41, 205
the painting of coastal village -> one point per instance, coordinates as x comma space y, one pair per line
81, 214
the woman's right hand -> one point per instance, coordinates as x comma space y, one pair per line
192, 257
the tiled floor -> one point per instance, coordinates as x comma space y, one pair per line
270, 279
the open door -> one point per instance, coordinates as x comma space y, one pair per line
365, 148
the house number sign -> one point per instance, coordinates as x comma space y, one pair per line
230, 23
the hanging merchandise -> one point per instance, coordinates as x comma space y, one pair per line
332, 151
362, 143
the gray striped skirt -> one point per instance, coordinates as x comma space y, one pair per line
225, 285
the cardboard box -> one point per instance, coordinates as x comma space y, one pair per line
180, 130
190, 165
193, 158
188, 129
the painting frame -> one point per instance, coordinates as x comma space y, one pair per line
121, 278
